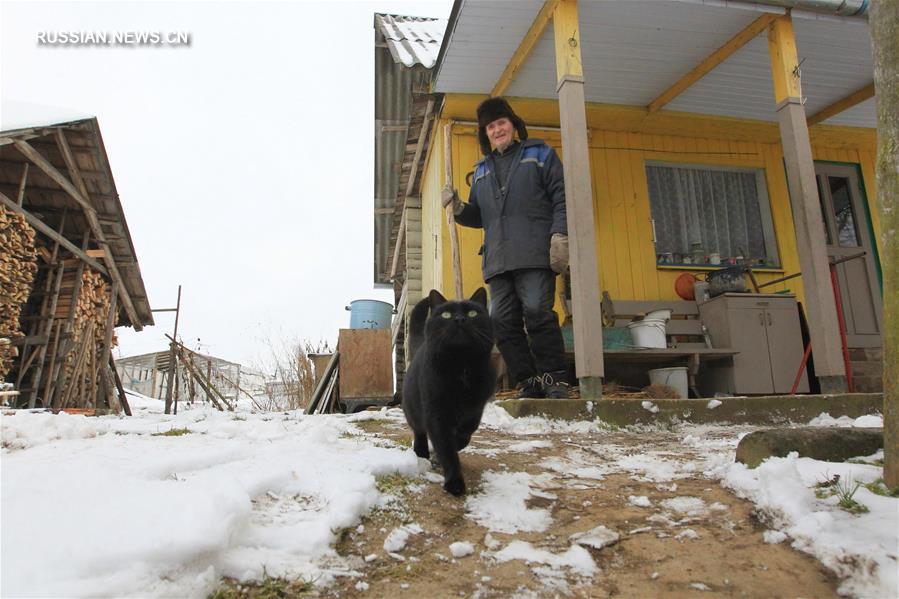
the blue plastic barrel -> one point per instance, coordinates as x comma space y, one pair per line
370, 314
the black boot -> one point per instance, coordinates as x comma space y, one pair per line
531, 387
555, 384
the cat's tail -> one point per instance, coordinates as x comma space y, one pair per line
417, 326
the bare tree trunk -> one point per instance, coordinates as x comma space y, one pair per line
885, 41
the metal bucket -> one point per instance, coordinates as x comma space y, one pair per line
370, 314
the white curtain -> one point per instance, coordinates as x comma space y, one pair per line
717, 209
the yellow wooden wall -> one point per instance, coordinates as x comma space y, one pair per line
625, 249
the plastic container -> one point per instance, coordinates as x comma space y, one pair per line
649, 332
663, 314
370, 314
675, 377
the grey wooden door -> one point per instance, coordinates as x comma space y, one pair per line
847, 231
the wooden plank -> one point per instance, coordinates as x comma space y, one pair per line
856, 97
711, 61
400, 234
622, 308
118, 384
323, 382
672, 327
366, 368
527, 45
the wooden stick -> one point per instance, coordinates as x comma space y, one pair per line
51, 378
322, 383
450, 217
118, 383
21, 195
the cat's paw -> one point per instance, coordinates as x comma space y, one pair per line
455, 486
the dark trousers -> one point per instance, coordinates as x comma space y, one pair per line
525, 326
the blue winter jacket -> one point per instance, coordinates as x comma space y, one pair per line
519, 223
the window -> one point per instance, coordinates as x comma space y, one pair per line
708, 216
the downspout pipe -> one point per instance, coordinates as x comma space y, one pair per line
841, 8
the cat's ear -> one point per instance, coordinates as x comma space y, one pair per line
436, 298
480, 296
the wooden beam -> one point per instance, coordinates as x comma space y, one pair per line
820, 307
400, 234
567, 30
784, 59
527, 45
712, 61
856, 97
39, 225
90, 214
585, 279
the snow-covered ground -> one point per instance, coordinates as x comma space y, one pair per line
115, 506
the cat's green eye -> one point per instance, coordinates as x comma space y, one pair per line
445, 315
472, 313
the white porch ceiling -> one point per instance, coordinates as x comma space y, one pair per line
633, 50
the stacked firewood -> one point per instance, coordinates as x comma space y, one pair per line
91, 310
18, 265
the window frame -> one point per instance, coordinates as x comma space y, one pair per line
772, 247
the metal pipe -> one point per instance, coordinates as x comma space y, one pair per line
841, 8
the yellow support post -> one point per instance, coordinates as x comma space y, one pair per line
587, 316
808, 220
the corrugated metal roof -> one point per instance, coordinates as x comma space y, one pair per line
412, 40
406, 49
633, 50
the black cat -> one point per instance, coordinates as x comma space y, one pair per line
449, 379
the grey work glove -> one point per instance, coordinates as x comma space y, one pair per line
449, 195
558, 252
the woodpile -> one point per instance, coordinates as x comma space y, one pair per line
88, 315
18, 265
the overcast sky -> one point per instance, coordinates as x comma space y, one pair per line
244, 161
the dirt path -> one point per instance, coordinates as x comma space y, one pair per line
681, 533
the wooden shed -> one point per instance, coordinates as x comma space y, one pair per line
694, 134
70, 270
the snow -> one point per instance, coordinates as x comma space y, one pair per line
576, 558
461, 548
639, 500
247, 495
597, 538
866, 421
713, 403
861, 549
396, 540
501, 505
251, 494
649, 406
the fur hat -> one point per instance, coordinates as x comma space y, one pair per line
492, 109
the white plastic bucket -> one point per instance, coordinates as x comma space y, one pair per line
675, 377
663, 314
649, 332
